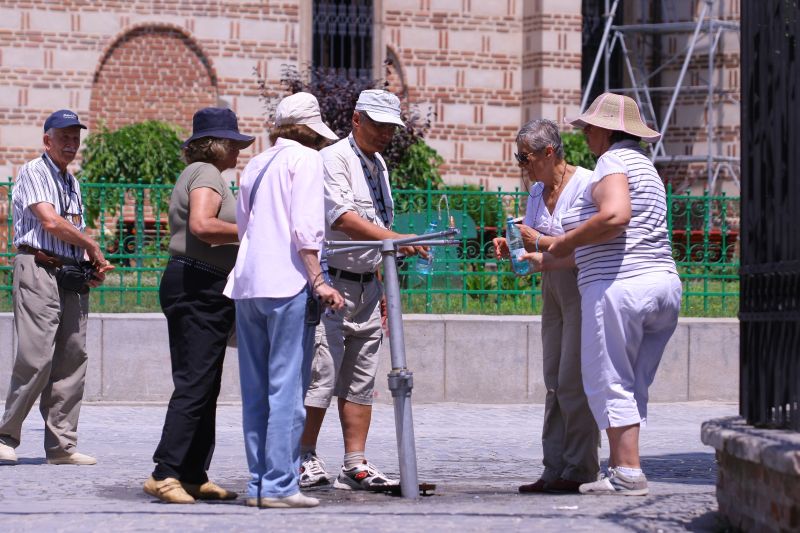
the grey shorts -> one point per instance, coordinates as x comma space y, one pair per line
346, 347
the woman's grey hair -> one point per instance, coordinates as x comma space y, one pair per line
540, 133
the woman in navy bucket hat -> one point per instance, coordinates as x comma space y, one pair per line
203, 246
219, 123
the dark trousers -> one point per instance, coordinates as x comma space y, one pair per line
199, 318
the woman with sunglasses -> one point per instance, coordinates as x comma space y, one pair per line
569, 436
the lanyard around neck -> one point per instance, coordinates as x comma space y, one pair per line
375, 183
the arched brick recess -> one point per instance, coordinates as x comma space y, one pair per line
152, 72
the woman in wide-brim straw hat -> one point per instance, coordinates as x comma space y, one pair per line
616, 233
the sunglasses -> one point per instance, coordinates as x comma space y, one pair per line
522, 158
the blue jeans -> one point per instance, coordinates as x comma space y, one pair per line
275, 350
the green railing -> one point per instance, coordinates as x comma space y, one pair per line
132, 228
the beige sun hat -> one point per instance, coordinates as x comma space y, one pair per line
302, 108
617, 113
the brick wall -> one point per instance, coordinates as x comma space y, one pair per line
136, 81
482, 67
121, 61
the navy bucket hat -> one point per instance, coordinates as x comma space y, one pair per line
219, 123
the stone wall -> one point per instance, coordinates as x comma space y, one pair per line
758, 485
454, 358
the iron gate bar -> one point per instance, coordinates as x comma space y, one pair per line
770, 273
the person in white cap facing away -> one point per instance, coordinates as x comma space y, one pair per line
616, 233
358, 206
276, 284
51, 307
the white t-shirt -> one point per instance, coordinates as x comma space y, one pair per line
644, 247
538, 217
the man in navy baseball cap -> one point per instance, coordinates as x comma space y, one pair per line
50, 319
63, 118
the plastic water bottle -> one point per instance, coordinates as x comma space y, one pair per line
516, 248
425, 266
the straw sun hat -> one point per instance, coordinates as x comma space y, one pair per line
618, 113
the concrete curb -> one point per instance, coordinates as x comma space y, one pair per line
454, 358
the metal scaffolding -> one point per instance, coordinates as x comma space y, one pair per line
642, 75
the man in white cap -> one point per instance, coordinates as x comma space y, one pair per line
358, 206
49, 315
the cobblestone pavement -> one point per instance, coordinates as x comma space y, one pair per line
476, 454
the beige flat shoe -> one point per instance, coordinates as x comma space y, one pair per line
208, 491
167, 490
7, 455
73, 459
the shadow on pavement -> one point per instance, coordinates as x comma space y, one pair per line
696, 468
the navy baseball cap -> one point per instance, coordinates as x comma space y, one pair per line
63, 118
217, 122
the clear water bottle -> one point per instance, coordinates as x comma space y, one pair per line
425, 266
516, 248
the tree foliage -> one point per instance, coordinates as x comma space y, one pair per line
410, 160
576, 151
145, 152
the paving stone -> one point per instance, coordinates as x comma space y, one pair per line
476, 454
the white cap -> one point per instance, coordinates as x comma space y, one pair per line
380, 106
302, 108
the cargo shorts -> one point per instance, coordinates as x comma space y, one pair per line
346, 347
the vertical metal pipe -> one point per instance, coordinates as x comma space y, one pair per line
400, 379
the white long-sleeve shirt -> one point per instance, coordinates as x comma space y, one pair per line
288, 215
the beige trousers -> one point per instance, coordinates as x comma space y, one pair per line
570, 438
50, 362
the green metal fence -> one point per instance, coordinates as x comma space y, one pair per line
132, 227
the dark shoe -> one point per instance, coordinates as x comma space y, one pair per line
563, 486
540, 486
208, 491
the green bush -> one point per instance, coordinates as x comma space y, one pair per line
146, 152
576, 151
417, 168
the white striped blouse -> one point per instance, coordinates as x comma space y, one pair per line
644, 247
36, 183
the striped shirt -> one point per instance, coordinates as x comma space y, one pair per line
36, 183
644, 247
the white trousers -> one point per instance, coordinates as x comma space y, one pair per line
625, 327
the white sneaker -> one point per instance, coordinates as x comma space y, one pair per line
618, 484
7, 455
73, 459
365, 476
312, 472
294, 501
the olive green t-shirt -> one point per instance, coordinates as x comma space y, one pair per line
182, 241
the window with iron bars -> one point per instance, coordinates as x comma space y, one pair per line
342, 39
